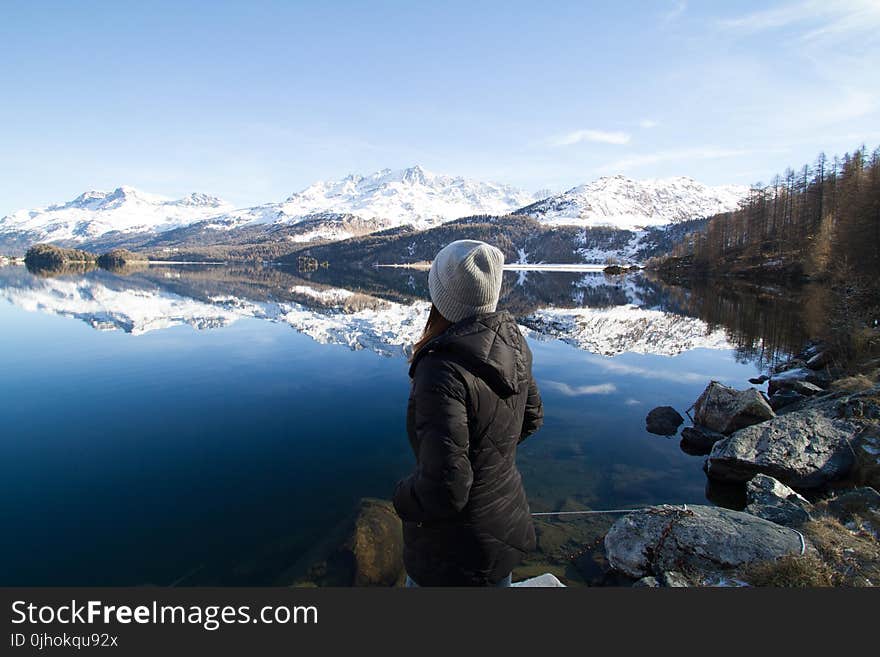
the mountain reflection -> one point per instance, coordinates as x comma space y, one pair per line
384, 310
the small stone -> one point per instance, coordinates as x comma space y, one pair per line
663, 421
699, 440
650, 582
675, 580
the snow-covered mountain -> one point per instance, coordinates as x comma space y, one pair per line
334, 210
124, 209
407, 196
354, 206
630, 204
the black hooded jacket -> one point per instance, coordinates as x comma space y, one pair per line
473, 400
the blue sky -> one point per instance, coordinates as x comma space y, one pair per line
253, 101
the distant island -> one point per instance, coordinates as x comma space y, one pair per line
50, 258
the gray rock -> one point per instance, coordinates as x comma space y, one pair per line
804, 449
783, 398
851, 503
819, 360
806, 388
649, 582
860, 405
758, 380
699, 540
724, 409
663, 421
699, 440
547, 580
794, 363
867, 469
772, 500
674, 580
789, 378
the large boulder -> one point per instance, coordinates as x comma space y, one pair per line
376, 544
663, 421
699, 541
804, 449
772, 500
366, 549
725, 409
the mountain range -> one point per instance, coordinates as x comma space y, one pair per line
351, 207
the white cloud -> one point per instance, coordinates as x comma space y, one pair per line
632, 402
577, 391
647, 124
599, 136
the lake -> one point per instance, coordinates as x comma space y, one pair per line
180, 425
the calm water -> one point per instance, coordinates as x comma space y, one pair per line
209, 425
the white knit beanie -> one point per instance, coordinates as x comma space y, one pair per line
465, 279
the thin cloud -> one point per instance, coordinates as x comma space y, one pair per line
672, 375
684, 154
838, 18
677, 10
598, 136
647, 124
578, 391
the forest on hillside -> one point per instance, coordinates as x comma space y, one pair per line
821, 222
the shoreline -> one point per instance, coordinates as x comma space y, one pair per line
570, 268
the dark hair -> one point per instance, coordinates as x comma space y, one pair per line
435, 325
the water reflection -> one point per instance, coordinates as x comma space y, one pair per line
378, 309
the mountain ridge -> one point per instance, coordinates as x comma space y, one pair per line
356, 205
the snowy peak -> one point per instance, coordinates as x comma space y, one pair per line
412, 195
125, 209
623, 202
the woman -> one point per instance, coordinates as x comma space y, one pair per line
466, 519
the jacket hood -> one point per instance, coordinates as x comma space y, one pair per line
489, 345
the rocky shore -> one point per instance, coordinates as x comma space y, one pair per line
807, 451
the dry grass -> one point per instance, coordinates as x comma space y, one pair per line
854, 558
791, 571
855, 383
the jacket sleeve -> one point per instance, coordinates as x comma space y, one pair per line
441, 484
534, 415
